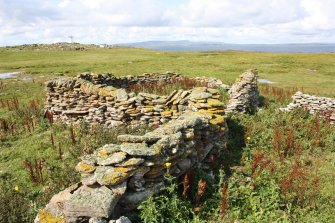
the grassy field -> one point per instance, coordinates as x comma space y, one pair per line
26, 138
312, 72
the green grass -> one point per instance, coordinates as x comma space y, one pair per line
312, 72
315, 73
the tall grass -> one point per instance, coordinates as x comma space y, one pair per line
162, 88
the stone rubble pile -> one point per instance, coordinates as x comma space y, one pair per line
325, 107
117, 177
102, 100
243, 94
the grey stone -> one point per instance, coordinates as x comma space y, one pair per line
122, 219
184, 164
114, 158
96, 202
138, 139
131, 162
130, 200
97, 220
199, 93
111, 148
113, 175
139, 149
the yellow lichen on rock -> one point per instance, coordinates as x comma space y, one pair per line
201, 100
85, 168
105, 92
103, 153
117, 175
147, 109
206, 112
166, 113
124, 169
214, 102
45, 216
217, 120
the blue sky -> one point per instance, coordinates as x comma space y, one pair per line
119, 21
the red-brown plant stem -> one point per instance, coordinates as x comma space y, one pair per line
72, 135
202, 185
60, 153
224, 199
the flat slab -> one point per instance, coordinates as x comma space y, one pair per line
96, 202
75, 112
139, 149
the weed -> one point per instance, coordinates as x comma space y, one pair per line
34, 170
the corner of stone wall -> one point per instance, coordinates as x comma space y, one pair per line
243, 94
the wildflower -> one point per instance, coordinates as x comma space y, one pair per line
248, 138
168, 165
16, 188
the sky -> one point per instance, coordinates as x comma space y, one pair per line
123, 21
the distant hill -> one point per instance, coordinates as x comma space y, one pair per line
64, 46
208, 46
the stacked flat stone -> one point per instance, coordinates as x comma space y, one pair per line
323, 106
100, 100
243, 94
211, 82
117, 177
126, 81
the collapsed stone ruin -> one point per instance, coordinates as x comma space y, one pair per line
191, 133
322, 106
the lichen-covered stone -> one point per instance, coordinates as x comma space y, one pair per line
108, 149
114, 175
199, 93
45, 216
85, 168
214, 103
96, 202
166, 113
112, 159
138, 139
217, 120
131, 162
139, 149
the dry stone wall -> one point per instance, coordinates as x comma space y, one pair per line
117, 177
325, 107
102, 99
243, 94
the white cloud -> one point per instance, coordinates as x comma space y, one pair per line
111, 21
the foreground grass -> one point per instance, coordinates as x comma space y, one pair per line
263, 197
